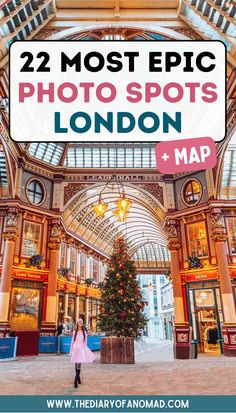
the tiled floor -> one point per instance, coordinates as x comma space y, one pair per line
155, 373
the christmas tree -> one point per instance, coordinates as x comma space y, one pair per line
121, 302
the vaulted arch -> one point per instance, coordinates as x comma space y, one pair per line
144, 221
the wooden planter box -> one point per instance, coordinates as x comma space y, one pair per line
117, 350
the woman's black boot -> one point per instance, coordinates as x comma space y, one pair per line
75, 382
78, 376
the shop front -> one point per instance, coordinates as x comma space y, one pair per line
93, 303
26, 304
82, 307
205, 315
61, 306
71, 307
26, 309
93, 314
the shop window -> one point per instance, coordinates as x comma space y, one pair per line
31, 239
24, 310
73, 252
204, 298
71, 308
82, 265
197, 240
90, 267
63, 255
232, 234
61, 309
81, 306
192, 192
95, 270
219, 305
35, 192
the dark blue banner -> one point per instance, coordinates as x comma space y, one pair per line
64, 344
93, 342
197, 404
8, 348
48, 344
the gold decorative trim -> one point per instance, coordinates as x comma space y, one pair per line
174, 246
54, 245
9, 236
221, 237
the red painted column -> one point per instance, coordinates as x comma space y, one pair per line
229, 327
45, 289
49, 325
182, 330
5, 286
174, 247
186, 316
77, 304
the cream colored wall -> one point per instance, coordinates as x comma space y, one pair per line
112, 14
110, 4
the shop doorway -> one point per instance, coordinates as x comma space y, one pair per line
208, 331
206, 319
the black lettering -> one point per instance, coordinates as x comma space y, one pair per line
199, 62
153, 61
188, 62
99, 66
26, 67
65, 61
131, 56
43, 66
173, 59
115, 65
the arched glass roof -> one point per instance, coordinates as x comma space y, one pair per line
109, 33
152, 255
47, 152
228, 181
96, 155
215, 20
142, 225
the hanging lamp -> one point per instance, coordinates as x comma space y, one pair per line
123, 204
100, 208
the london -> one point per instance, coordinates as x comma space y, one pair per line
147, 122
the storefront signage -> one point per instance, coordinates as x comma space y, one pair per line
105, 178
201, 277
233, 274
71, 288
29, 276
93, 293
82, 289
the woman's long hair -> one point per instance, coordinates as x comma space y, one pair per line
77, 329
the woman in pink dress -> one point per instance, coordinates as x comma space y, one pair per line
79, 352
